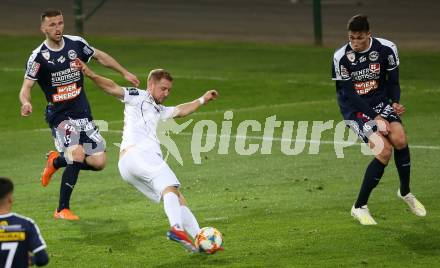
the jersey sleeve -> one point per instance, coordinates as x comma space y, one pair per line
32, 67
340, 70
84, 50
133, 96
167, 112
36, 242
87, 50
392, 57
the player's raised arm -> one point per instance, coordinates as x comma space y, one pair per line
185, 109
25, 97
108, 61
108, 85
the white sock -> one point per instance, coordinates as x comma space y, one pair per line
172, 209
190, 223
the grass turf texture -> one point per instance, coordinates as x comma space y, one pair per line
273, 210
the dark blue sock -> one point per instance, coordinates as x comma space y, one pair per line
373, 174
60, 161
68, 181
403, 164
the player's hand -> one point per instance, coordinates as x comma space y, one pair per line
132, 79
81, 66
26, 109
210, 95
382, 125
399, 109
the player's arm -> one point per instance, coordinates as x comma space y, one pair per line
25, 97
109, 62
394, 91
185, 109
107, 85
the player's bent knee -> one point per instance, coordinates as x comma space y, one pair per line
386, 152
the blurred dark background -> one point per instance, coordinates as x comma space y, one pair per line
410, 24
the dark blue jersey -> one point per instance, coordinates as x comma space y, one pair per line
365, 79
19, 236
62, 85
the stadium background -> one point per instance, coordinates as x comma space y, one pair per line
274, 210
410, 23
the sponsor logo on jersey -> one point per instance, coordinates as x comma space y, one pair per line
351, 56
45, 54
61, 59
373, 56
66, 92
362, 59
72, 54
133, 91
33, 69
344, 72
375, 68
363, 88
391, 60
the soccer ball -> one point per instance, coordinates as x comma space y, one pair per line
209, 240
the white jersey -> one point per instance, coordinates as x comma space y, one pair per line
141, 116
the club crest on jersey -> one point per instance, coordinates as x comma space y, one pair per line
351, 56
373, 56
45, 54
375, 68
72, 54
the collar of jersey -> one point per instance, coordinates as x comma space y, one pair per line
55, 50
6, 215
371, 43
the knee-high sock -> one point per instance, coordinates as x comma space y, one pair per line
68, 181
172, 209
373, 174
190, 223
403, 164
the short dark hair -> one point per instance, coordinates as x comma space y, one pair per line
158, 74
358, 23
50, 13
6, 187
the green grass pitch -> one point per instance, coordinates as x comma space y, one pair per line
274, 210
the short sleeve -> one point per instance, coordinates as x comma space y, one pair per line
87, 50
133, 96
84, 50
340, 71
392, 58
166, 112
36, 242
32, 68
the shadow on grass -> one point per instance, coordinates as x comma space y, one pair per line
198, 260
116, 234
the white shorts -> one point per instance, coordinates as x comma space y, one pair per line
148, 172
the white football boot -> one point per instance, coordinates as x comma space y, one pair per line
363, 215
416, 207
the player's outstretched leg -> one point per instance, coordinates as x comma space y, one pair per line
174, 213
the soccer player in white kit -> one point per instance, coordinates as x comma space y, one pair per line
140, 159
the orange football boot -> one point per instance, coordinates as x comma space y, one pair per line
49, 170
65, 214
